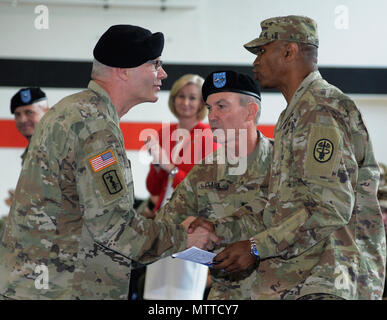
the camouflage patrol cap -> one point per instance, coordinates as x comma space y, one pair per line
382, 191
290, 28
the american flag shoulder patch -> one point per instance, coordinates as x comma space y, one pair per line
102, 161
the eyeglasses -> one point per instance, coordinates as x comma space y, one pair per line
157, 63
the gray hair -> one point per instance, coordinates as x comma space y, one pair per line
245, 99
99, 70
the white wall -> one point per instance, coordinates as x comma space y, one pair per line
212, 32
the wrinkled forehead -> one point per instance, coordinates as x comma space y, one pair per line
222, 97
31, 107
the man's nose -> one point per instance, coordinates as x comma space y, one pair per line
212, 115
162, 74
21, 118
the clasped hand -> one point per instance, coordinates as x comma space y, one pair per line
200, 237
235, 257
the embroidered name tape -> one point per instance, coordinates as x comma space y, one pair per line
102, 161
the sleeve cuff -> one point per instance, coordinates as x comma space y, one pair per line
180, 241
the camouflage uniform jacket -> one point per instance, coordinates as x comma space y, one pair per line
210, 191
24, 154
73, 209
324, 230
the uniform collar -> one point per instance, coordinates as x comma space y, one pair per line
260, 149
305, 84
94, 86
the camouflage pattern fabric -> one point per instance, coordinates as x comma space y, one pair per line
24, 155
290, 28
211, 192
382, 191
320, 296
382, 197
2, 225
73, 215
323, 225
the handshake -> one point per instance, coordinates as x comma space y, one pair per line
235, 257
201, 233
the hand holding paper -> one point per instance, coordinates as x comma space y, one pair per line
196, 255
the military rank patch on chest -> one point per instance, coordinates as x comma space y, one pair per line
112, 182
102, 161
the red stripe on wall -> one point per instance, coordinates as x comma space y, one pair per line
11, 138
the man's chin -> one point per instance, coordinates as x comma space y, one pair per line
26, 133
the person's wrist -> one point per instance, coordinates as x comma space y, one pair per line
253, 249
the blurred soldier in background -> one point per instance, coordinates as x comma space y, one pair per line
28, 105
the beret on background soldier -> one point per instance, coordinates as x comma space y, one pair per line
27, 96
290, 28
230, 81
127, 46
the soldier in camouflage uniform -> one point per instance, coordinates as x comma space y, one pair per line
28, 105
212, 189
72, 232
323, 236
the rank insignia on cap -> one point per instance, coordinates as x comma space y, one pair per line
25, 95
323, 150
102, 161
219, 79
112, 182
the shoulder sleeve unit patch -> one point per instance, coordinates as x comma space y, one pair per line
322, 151
102, 161
108, 175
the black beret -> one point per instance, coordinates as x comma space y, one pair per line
127, 46
230, 81
27, 96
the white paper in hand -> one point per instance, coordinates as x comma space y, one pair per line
196, 255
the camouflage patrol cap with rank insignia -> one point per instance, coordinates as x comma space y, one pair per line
290, 28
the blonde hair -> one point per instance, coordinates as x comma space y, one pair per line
178, 85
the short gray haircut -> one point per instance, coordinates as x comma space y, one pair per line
99, 70
245, 99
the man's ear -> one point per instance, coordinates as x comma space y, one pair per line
121, 73
253, 110
291, 51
